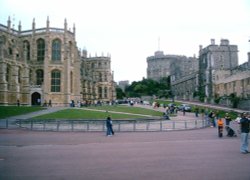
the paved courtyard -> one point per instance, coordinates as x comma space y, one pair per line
194, 154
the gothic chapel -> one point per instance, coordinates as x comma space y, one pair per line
39, 66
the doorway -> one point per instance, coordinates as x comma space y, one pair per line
36, 99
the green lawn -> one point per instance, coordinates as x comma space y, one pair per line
8, 111
128, 109
86, 114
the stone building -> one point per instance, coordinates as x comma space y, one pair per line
123, 85
40, 65
212, 59
182, 70
97, 79
235, 81
176, 66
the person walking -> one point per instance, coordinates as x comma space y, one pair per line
109, 127
244, 127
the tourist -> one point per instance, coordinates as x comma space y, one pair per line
220, 124
244, 127
109, 127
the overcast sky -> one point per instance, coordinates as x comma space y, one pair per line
130, 30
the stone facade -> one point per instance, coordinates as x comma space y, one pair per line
97, 79
235, 81
212, 59
40, 65
123, 85
176, 66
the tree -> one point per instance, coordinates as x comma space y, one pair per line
149, 87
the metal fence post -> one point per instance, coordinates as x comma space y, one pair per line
119, 126
87, 125
57, 125
72, 125
147, 128
173, 124
44, 125
185, 124
20, 123
134, 126
31, 124
7, 123
160, 125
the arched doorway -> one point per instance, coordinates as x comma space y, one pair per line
36, 99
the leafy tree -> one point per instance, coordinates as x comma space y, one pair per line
149, 87
119, 93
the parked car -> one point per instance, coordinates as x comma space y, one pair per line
186, 107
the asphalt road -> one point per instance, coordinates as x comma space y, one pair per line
190, 155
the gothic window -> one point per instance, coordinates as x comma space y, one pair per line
56, 50
19, 75
100, 77
105, 92
40, 49
10, 51
30, 76
39, 77
55, 81
100, 92
26, 47
71, 82
8, 75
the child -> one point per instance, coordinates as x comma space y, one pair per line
220, 124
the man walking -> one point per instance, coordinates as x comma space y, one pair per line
244, 126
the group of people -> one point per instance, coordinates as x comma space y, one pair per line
244, 122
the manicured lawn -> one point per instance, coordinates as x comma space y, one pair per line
129, 109
86, 114
8, 111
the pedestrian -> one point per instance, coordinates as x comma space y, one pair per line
220, 124
196, 111
212, 120
228, 119
244, 127
109, 127
50, 103
18, 102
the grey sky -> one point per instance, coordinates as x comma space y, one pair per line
129, 29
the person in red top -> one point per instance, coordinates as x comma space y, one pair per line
220, 124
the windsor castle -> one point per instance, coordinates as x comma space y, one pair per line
214, 76
44, 65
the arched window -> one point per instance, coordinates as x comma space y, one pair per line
56, 50
19, 75
71, 82
105, 92
100, 92
40, 49
8, 75
55, 81
100, 77
26, 47
39, 77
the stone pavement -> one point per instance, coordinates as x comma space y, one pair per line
190, 155
194, 154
